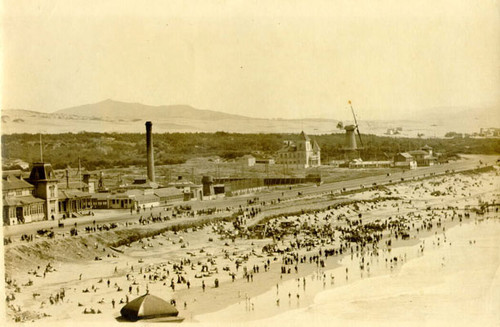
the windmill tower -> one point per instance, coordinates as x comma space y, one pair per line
351, 148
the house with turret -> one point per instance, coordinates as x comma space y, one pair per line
303, 153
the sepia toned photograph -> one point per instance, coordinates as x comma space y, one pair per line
250, 163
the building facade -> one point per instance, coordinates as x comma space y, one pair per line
303, 153
44, 181
247, 160
405, 160
19, 204
424, 156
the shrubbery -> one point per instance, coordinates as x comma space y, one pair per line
106, 150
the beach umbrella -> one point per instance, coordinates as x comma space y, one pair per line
147, 307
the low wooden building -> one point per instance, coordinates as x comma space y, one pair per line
404, 160
19, 204
169, 195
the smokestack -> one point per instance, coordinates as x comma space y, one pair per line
149, 146
67, 178
86, 178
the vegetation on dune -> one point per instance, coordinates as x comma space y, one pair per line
107, 150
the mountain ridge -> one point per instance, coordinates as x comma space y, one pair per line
124, 117
112, 108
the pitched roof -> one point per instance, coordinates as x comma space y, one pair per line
42, 172
288, 148
147, 198
72, 194
100, 196
72, 185
304, 136
406, 155
134, 192
11, 182
168, 191
16, 172
316, 145
21, 200
417, 152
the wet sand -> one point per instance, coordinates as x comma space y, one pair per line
449, 285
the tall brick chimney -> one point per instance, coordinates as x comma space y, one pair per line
150, 152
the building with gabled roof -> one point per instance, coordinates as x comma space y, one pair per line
44, 180
73, 201
169, 195
41, 196
424, 156
247, 160
405, 160
19, 204
302, 153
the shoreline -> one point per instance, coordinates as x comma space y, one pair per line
154, 256
453, 284
336, 269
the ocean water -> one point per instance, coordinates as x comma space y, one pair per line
452, 283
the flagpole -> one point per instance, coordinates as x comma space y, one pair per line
41, 148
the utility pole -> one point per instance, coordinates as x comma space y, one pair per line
41, 148
79, 170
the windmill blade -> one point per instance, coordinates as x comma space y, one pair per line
359, 136
352, 110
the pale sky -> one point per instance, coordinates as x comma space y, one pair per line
292, 59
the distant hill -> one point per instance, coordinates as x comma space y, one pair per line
110, 109
123, 117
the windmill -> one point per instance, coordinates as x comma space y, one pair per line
351, 148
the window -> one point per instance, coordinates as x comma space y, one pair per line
19, 192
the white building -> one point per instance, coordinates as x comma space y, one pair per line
304, 153
247, 160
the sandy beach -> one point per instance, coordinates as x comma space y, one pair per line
453, 284
407, 279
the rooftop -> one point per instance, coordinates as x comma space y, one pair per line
406, 155
42, 172
72, 194
21, 200
11, 182
161, 192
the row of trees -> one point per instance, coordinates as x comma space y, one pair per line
106, 150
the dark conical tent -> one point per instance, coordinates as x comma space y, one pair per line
147, 307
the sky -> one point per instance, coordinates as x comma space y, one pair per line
287, 59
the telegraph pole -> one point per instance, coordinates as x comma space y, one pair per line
41, 148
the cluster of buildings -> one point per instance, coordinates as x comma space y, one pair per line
489, 132
394, 131
300, 153
411, 159
44, 196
